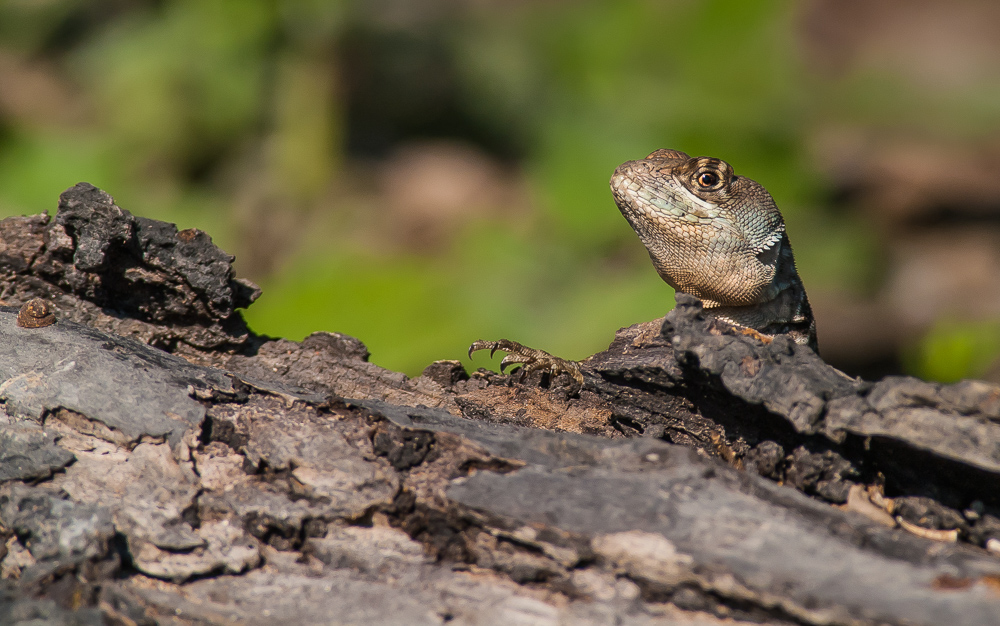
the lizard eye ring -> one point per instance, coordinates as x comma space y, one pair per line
707, 180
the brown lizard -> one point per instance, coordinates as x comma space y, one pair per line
711, 234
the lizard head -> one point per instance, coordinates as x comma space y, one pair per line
709, 232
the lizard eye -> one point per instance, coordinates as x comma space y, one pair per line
708, 179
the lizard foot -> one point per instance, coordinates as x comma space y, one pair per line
530, 359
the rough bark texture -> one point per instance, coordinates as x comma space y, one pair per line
159, 463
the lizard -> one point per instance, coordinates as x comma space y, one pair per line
711, 234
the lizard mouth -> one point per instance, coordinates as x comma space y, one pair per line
624, 187
639, 197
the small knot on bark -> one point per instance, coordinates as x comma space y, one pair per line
35, 313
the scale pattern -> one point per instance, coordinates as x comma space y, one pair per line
716, 236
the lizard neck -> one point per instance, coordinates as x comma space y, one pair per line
787, 311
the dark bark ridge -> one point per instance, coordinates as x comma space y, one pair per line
160, 463
925, 439
102, 266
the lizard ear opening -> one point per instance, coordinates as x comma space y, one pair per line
672, 155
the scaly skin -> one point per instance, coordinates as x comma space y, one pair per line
718, 237
711, 234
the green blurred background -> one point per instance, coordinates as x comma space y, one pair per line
424, 173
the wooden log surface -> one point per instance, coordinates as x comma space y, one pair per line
161, 463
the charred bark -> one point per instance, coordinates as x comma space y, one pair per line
160, 462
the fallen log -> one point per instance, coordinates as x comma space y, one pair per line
161, 462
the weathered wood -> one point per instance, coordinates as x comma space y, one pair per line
160, 462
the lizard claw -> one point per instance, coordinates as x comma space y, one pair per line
530, 359
511, 359
482, 344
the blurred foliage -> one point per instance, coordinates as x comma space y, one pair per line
954, 350
254, 121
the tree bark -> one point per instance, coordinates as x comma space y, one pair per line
159, 462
